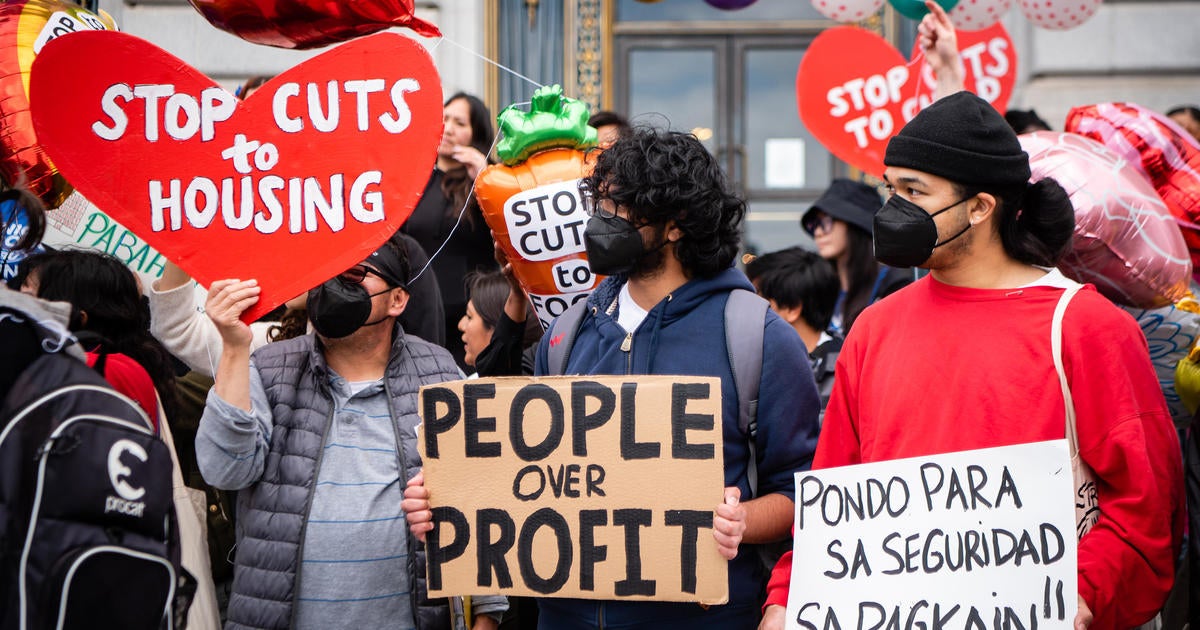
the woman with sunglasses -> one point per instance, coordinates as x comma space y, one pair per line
840, 223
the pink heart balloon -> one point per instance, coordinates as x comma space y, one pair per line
1126, 241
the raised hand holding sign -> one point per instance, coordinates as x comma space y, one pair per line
293, 185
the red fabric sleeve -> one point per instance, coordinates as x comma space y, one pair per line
781, 580
1127, 560
130, 378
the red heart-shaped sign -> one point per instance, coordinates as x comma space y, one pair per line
855, 91
299, 182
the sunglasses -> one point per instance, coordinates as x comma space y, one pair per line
358, 273
817, 220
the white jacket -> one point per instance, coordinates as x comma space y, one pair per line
188, 333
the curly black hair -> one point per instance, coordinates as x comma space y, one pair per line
662, 176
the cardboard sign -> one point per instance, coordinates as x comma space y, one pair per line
588, 487
977, 539
292, 186
855, 90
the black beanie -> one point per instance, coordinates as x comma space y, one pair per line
962, 138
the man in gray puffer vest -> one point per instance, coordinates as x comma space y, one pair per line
319, 435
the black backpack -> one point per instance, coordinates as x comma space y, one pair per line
88, 532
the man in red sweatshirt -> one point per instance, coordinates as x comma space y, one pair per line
962, 358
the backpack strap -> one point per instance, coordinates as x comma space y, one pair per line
745, 321
1060, 311
566, 327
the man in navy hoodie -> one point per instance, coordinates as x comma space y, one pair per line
665, 229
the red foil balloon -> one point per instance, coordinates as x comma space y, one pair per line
304, 24
1126, 242
1164, 152
26, 26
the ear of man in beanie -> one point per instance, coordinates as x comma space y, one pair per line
964, 139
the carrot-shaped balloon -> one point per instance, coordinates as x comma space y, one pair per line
531, 199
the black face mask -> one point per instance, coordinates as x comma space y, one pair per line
337, 309
614, 245
905, 235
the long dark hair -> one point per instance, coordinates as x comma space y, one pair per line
1036, 221
862, 272
456, 185
105, 301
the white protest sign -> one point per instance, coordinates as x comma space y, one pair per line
78, 224
980, 539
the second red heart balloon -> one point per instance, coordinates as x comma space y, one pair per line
855, 91
304, 24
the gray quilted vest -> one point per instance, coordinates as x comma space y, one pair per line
272, 512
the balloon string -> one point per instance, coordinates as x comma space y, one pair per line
471, 193
212, 365
491, 61
458, 220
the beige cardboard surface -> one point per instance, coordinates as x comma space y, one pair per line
589, 487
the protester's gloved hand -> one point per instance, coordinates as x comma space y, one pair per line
416, 507
729, 523
227, 300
